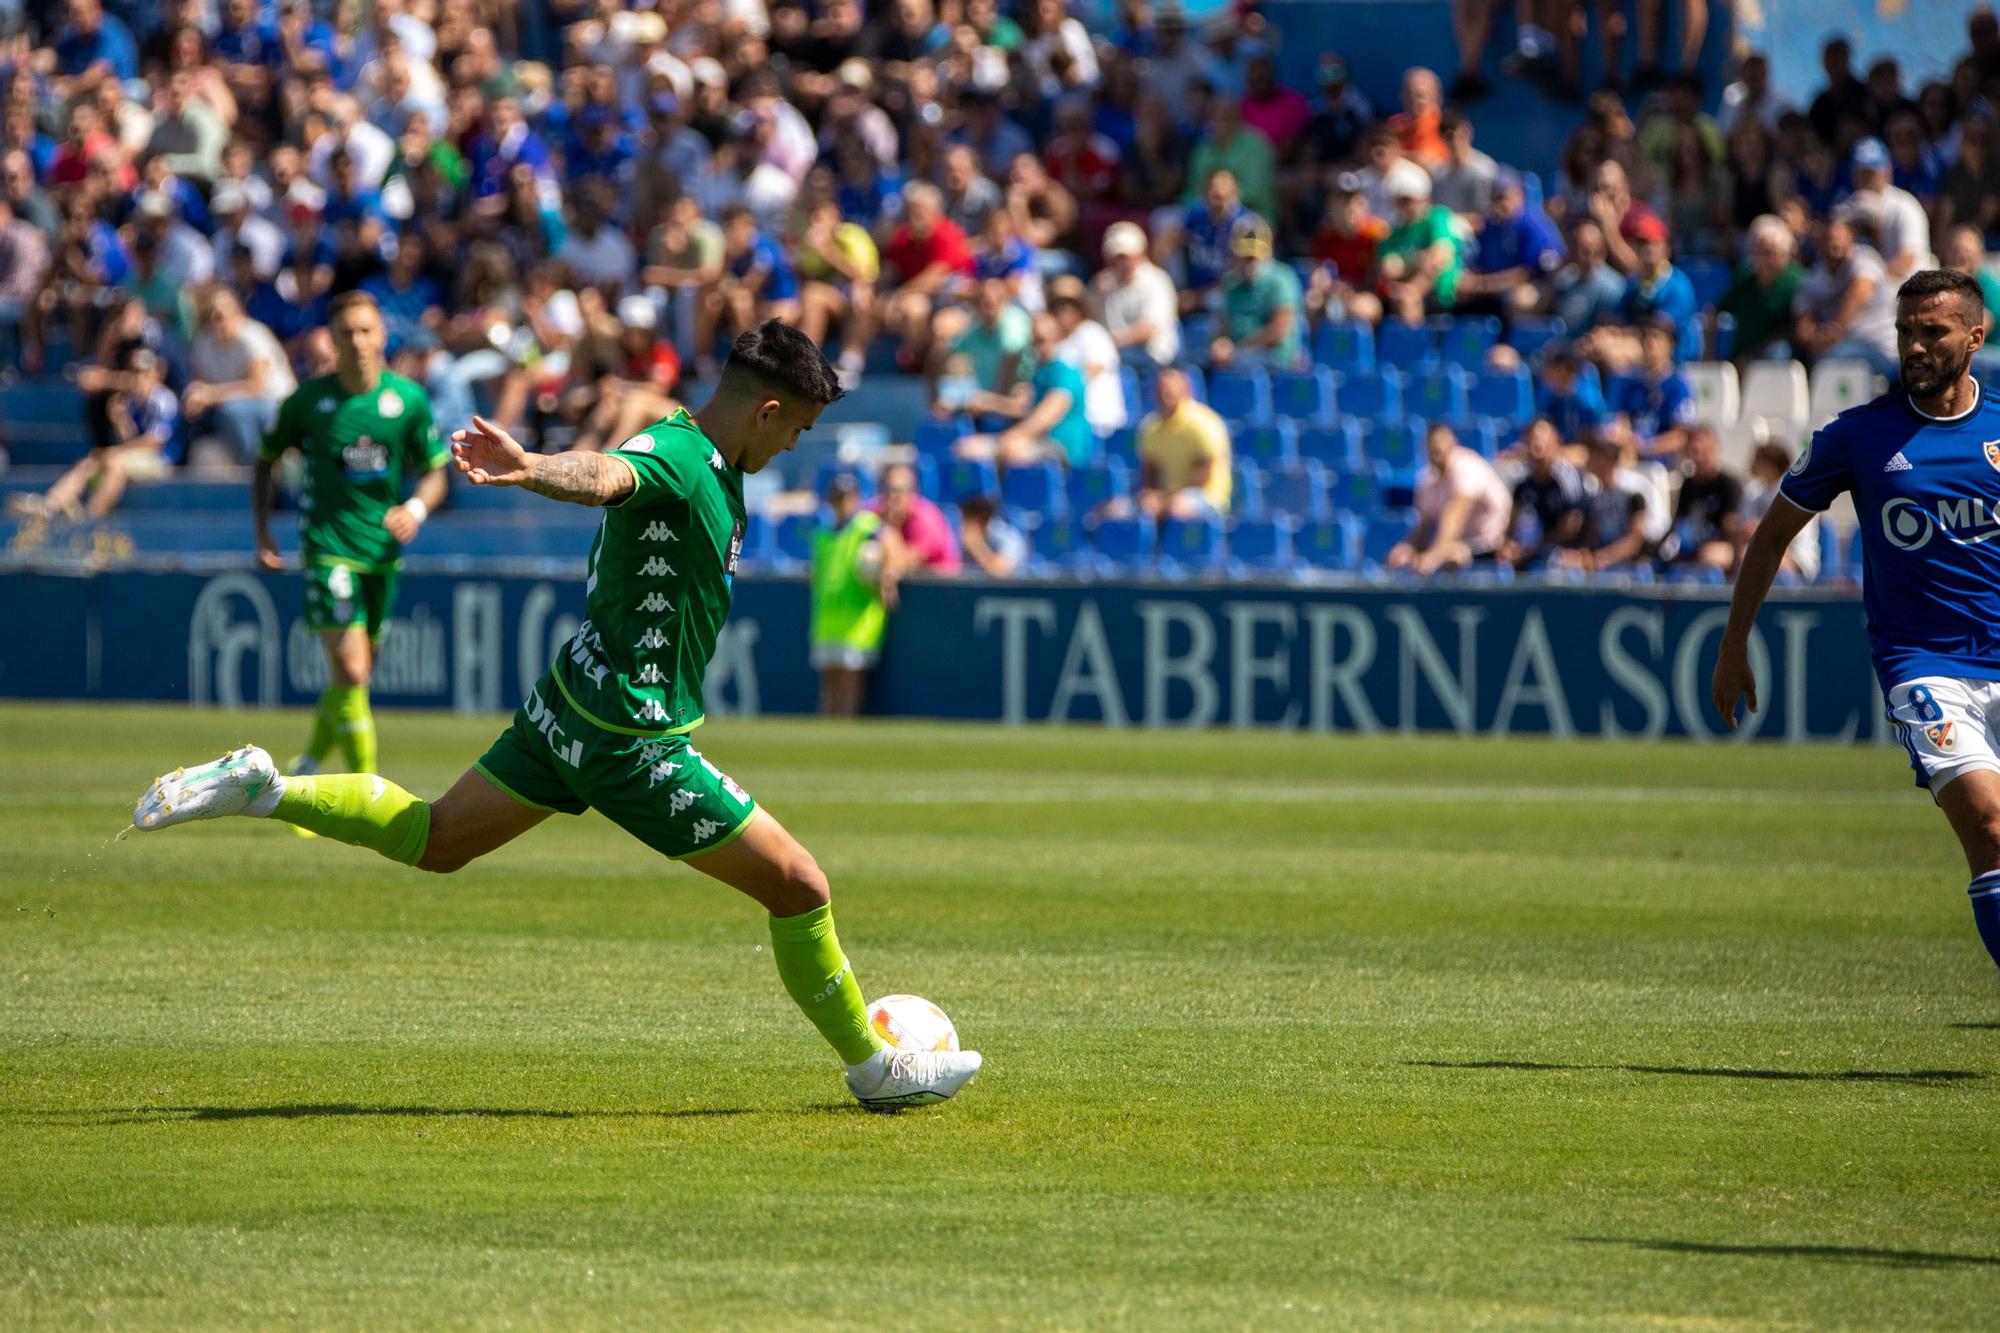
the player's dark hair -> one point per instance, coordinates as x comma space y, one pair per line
347, 301
1946, 282
781, 357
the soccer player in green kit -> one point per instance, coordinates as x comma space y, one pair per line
362, 430
608, 725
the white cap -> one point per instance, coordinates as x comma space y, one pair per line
638, 312
155, 204
707, 69
1124, 238
1406, 180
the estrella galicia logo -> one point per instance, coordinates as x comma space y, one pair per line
1964, 521
735, 549
365, 460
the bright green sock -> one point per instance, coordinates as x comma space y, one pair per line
817, 977
326, 725
360, 810
357, 728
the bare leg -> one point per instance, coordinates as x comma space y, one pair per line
472, 819
767, 864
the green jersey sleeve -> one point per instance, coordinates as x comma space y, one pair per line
662, 469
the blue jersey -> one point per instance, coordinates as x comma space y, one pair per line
1927, 493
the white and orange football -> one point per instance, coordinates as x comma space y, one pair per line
912, 1023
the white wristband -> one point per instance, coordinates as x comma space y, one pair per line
417, 507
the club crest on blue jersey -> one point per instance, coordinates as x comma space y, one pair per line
1993, 454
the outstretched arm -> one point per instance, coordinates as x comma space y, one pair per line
1734, 682
488, 456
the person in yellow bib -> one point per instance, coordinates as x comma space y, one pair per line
856, 564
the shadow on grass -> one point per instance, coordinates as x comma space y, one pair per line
1976, 1027
1696, 1071
159, 1115
1857, 1254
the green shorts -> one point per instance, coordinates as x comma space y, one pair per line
660, 790
337, 597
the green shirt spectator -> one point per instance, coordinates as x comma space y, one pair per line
1244, 153
1409, 240
1263, 306
990, 342
1762, 309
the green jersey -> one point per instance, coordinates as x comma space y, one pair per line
658, 590
358, 448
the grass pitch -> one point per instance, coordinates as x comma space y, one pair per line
1280, 1032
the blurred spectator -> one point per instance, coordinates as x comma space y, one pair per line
1843, 92
1341, 117
1184, 454
926, 255
238, 374
407, 297
635, 379
1567, 396
1344, 252
988, 345
1462, 509
1708, 521
1263, 309
1245, 154
1418, 127
1846, 305
758, 283
601, 255
925, 532
968, 195
856, 564
994, 546
1656, 399
1971, 192
839, 263
1200, 240
188, 133
1587, 291
1893, 217
1614, 527
1965, 252
1058, 52
1515, 248
1140, 307
91, 47
1048, 412
1088, 347
24, 264
1657, 290
684, 258
1043, 210
1548, 501
1768, 467
1464, 182
1751, 97
1761, 295
1419, 260
145, 417
238, 227
1275, 111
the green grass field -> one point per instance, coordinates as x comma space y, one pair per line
1280, 1032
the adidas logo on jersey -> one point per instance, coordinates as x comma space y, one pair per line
1899, 464
655, 567
653, 601
649, 641
657, 531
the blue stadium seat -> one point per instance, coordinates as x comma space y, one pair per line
1337, 445
1247, 494
1437, 395
1509, 394
936, 434
1039, 488
926, 468
1398, 344
1709, 278
1355, 490
793, 537
1615, 385
759, 543
1262, 545
1345, 349
1125, 542
1089, 487
1372, 395
1059, 545
1197, 332
1266, 445
1397, 445
1197, 383
1306, 396
1241, 396
1191, 545
1492, 434
831, 468
1298, 489
1464, 340
1529, 336
1332, 543
967, 477
1122, 444
1383, 530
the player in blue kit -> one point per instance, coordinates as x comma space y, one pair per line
1923, 463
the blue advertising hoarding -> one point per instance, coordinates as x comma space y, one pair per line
1523, 659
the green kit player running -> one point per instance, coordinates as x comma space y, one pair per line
608, 725
361, 429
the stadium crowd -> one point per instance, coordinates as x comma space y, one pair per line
1148, 285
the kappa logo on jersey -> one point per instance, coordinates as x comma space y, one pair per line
653, 711
660, 772
655, 567
1902, 464
390, 404
638, 444
657, 531
1939, 735
650, 641
715, 460
583, 650
654, 601
650, 674
1965, 521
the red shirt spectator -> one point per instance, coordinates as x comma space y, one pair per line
1350, 245
945, 243
1081, 161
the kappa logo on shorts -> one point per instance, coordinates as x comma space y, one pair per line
660, 772
1939, 735
704, 829
680, 800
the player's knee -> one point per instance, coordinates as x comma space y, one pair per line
802, 886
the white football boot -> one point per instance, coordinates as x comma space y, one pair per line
242, 782
890, 1080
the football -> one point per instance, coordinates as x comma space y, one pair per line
912, 1023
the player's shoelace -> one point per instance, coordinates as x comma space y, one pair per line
915, 1066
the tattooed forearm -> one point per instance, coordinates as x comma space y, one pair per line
581, 478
